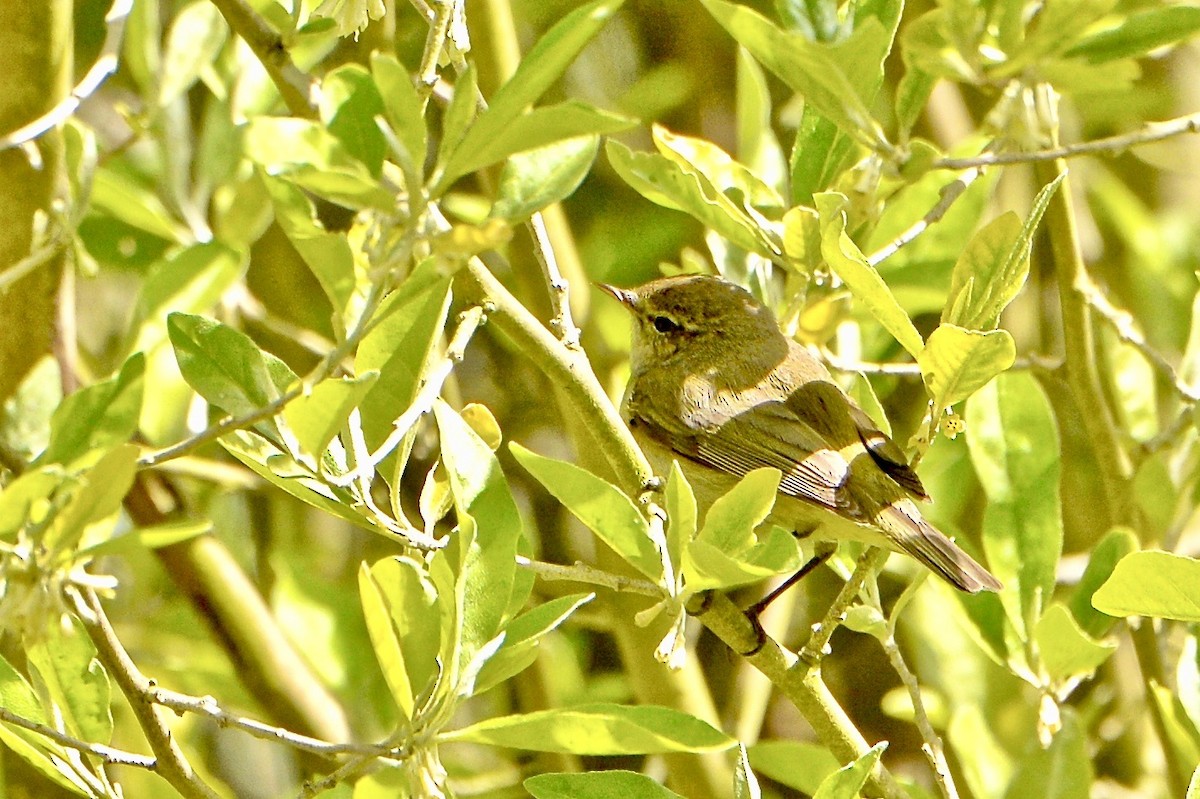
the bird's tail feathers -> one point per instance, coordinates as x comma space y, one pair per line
914, 536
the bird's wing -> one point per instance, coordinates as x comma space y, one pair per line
886, 454
768, 435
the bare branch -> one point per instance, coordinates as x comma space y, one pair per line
106, 753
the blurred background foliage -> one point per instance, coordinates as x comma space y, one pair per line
178, 186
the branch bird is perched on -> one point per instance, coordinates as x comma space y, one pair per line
716, 385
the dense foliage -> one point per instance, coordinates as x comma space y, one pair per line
313, 481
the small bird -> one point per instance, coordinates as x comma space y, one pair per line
716, 385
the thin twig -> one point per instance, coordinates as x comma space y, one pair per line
1122, 323
560, 305
590, 575
932, 746
435, 42
105, 65
207, 706
948, 195
172, 765
1155, 131
818, 643
106, 753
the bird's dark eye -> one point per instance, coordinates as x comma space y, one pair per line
665, 324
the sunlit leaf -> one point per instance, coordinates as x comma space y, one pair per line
98, 416
196, 36
401, 106
956, 362
602, 507
848, 781
522, 637
1063, 770
489, 529
1065, 650
1152, 583
597, 729
532, 180
1014, 446
315, 418
848, 262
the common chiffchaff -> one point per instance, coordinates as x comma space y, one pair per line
716, 385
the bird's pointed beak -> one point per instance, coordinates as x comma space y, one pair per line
624, 296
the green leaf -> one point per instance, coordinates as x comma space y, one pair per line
488, 534
65, 660
315, 418
957, 362
725, 174
602, 507
1062, 770
95, 496
190, 280
1138, 33
327, 255
42, 755
280, 469
994, 266
539, 127
796, 764
99, 416
532, 180
522, 637
309, 155
846, 782
1066, 651
226, 367
458, 116
730, 521
402, 610
757, 146
664, 182
1116, 544
681, 514
1181, 732
597, 785
194, 40
117, 195
986, 765
538, 70
726, 553
349, 103
402, 107
30, 490
597, 729
848, 263
404, 332
823, 150
807, 67
1014, 445
1152, 583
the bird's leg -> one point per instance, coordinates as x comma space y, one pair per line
821, 554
